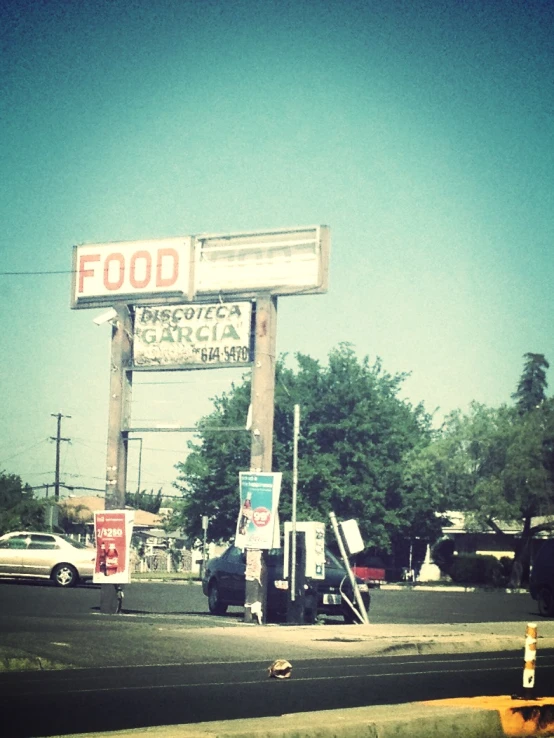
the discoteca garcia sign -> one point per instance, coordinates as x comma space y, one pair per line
192, 336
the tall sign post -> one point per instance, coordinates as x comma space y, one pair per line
121, 379
263, 384
181, 300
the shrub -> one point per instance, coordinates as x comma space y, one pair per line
442, 554
506, 562
476, 569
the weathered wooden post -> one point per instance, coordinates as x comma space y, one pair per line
121, 379
261, 451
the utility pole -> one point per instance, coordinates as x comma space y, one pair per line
121, 379
263, 384
58, 438
261, 450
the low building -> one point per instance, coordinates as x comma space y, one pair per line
500, 543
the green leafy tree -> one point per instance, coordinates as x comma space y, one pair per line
355, 435
531, 389
19, 510
424, 494
492, 465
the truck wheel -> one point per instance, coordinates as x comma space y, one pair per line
216, 606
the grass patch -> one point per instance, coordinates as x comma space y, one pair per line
20, 662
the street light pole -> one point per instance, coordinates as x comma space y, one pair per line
205, 521
139, 461
139, 464
296, 433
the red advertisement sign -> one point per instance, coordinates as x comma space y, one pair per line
112, 531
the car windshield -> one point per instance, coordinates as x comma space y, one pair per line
274, 555
73, 542
331, 560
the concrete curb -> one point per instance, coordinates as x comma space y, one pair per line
492, 717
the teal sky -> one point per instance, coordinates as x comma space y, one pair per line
422, 133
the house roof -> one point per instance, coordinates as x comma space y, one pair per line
166, 535
89, 504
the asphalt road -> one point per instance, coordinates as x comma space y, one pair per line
186, 600
57, 703
165, 660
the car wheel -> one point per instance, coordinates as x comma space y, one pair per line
65, 575
545, 600
217, 607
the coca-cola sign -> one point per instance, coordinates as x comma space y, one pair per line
257, 524
261, 517
112, 534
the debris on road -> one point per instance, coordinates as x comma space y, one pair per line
280, 669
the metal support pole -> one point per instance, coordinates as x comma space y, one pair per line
357, 595
139, 465
296, 433
296, 610
205, 522
139, 456
261, 449
121, 378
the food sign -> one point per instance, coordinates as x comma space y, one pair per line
285, 261
112, 532
131, 272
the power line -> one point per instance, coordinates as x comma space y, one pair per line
33, 274
37, 474
18, 453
